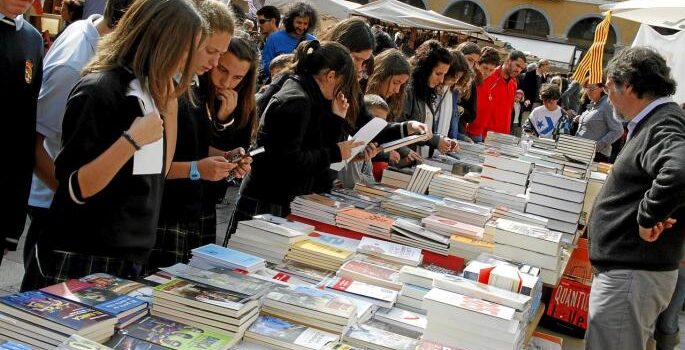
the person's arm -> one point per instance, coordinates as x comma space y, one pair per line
614, 126
45, 165
170, 129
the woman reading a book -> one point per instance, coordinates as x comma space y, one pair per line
105, 211
302, 132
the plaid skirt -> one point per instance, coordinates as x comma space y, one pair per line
175, 240
55, 266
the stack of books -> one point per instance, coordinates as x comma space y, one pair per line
528, 244
544, 144
496, 138
417, 283
411, 233
355, 198
176, 335
453, 186
125, 308
293, 225
312, 307
445, 162
75, 342
474, 152
204, 306
225, 280
371, 273
275, 333
377, 191
318, 255
559, 199
340, 242
468, 213
577, 148
8, 344
308, 274
390, 251
469, 248
458, 320
506, 174
405, 319
501, 212
317, 207
449, 227
264, 239
350, 201
421, 179
369, 337
211, 255
409, 204
374, 295
492, 197
365, 222
44, 321
396, 177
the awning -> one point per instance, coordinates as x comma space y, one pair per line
557, 52
340, 9
661, 13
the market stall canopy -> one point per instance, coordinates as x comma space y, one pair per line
407, 16
340, 9
562, 54
661, 13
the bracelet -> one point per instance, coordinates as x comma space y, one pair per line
130, 139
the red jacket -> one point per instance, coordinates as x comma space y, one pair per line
494, 105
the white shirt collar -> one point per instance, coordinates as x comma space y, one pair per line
17, 22
638, 118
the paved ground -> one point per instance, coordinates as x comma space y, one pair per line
12, 269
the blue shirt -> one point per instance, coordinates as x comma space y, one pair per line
280, 43
635, 121
61, 71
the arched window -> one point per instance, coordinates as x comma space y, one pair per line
528, 22
582, 33
467, 11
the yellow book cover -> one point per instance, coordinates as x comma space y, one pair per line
472, 242
319, 248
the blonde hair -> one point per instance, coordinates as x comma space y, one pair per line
217, 17
150, 40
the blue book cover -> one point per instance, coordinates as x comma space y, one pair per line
13, 345
102, 299
61, 311
228, 255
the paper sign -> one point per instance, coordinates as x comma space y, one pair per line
150, 158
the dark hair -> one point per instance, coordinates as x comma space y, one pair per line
488, 55
281, 61
469, 48
270, 12
426, 58
549, 92
114, 10
353, 33
459, 64
314, 57
643, 69
300, 9
387, 64
75, 8
516, 55
383, 41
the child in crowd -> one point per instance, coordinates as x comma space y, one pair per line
279, 63
548, 120
517, 112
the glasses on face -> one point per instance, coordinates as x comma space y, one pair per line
262, 20
592, 88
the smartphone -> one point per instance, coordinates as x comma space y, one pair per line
238, 157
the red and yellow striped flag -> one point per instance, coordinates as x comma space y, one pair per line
592, 62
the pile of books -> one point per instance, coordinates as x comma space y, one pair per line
211, 255
276, 333
156, 332
469, 248
409, 204
265, 239
365, 222
449, 227
421, 178
559, 199
468, 213
411, 233
506, 174
577, 148
306, 273
371, 272
405, 319
366, 336
322, 256
317, 207
312, 307
445, 162
417, 283
377, 191
504, 144
374, 295
453, 186
355, 198
544, 144
474, 152
462, 321
44, 321
390, 251
340, 242
222, 279
528, 244
514, 215
492, 197
396, 177
228, 311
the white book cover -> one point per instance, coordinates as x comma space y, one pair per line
454, 226
482, 312
502, 186
556, 192
505, 175
527, 256
418, 276
402, 318
389, 250
560, 181
528, 237
482, 291
510, 164
269, 227
347, 285
404, 226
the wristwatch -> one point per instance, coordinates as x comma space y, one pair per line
194, 172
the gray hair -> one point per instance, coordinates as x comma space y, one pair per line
645, 70
375, 101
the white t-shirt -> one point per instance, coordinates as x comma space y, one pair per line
545, 121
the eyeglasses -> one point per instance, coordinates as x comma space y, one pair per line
262, 21
593, 88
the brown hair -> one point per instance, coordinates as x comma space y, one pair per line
149, 41
216, 16
387, 64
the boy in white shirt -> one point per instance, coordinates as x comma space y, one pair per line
548, 120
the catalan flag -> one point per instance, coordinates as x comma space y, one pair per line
591, 64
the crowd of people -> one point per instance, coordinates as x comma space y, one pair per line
122, 135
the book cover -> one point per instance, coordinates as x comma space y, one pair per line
204, 294
13, 345
114, 284
329, 204
290, 333
471, 304
176, 335
369, 218
227, 280
227, 255
57, 310
99, 298
379, 337
262, 227
297, 226
403, 318
124, 342
318, 248
314, 299
390, 250
339, 242
77, 342
347, 285
371, 270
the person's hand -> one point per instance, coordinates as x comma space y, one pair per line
340, 106
526, 103
446, 145
347, 146
653, 233
147, 129
229, 101
394, 157
571, 112
413, 157
214, 168
414, 127
370, 151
